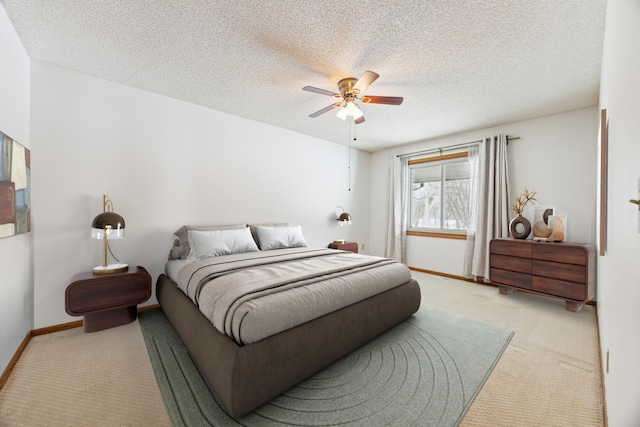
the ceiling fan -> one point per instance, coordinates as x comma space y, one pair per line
351, 91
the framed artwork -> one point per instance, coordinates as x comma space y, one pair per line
541, 230
15, 187
604, 149
558, 226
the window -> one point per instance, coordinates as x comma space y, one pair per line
439, 194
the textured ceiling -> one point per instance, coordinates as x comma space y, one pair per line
460, 65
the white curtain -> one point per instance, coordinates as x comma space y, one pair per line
396, 242
474, 179
489, 204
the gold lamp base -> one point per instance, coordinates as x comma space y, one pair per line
110, 269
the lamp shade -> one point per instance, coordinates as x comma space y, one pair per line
108, 226
344, 218
109, 223
353, 110
342, 113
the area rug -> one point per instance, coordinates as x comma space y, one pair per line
425, 371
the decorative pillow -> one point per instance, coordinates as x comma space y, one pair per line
212, 243
184, 251
174, 253
280, 237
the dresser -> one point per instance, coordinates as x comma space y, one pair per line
560, 270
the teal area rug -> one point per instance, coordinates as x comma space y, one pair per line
425, 371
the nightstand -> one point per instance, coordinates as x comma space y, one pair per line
345, 246
107, 300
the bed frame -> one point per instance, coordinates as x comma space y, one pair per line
245, 377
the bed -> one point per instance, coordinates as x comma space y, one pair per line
249, 359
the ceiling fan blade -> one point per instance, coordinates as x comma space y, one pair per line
388, 100
367, 78
324, 110
321, 91
360, 120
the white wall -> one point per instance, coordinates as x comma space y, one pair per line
16, 280
166, 163
619, 276
555, 156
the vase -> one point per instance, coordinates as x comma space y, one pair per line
520, 227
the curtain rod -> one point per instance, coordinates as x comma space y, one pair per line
451, 147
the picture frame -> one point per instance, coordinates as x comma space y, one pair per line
15, 187
540, 226
604, 164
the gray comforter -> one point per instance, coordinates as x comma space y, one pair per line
255, 295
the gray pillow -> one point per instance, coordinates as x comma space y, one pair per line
212, 243
280, 237
182, 243
276, 224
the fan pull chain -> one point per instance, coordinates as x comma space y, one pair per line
349, 165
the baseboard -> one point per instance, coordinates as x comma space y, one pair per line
56, 328
148, 307
14, 359
450, 276
603, 367
48, 330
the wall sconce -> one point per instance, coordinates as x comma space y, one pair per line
344, 218
108, 225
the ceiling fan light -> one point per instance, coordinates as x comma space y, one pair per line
351, 108
357, 113
350, 90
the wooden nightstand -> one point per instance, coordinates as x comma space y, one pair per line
346, 246
107, 300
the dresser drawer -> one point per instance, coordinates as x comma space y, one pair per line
510, 247
559, 252
91, 292
561, 288
556, 270
511, 263
511, 278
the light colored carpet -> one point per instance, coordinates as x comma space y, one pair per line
70, 378
549, 374
426, 371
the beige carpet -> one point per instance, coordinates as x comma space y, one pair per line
70, 378
548, 376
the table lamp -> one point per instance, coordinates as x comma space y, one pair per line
108, 225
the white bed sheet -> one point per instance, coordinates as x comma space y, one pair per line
173, 266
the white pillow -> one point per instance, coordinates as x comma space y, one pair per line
280, 237
212, 243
